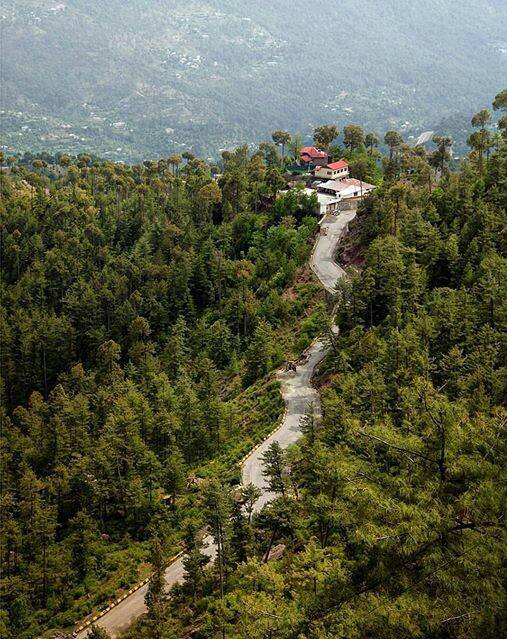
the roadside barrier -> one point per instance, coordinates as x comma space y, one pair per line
257, 446
90, 622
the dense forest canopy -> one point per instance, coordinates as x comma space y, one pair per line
138, 78
144, 308
390, 516
138, 303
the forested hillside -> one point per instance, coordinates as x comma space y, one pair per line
142, 78
143, 310
140, 306
390, 514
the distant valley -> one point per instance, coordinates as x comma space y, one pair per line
129, 80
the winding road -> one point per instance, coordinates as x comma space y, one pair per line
297, 389
298, 394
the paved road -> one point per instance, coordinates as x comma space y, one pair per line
297, 388
299, 396
322, 260
119, 618
298, 393
424, 138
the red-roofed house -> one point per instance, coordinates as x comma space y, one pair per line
312, 155
334, 171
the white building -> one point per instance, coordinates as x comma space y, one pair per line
345, 189
334, 171
327, 203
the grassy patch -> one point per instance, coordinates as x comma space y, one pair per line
257, 410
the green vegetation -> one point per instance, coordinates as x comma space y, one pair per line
140, 320
144, 310
389, 516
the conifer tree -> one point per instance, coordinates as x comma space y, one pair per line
97, 633
194, 561
274, 468
156, 598
217, 509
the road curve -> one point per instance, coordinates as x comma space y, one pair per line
297, 389
299, 395
322, 260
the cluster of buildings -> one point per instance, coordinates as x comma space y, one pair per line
332, 183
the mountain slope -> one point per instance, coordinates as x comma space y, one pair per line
146, 77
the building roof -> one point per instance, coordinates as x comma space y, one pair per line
341, 185
313, 153
359, 183
332, 185
336, 166
352, 191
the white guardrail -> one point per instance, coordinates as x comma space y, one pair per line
118, 601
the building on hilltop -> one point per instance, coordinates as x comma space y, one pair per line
345, 189
311, 156
333, 171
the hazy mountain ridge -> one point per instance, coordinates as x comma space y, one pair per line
136, 78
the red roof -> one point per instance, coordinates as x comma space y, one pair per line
313, 152
341, 164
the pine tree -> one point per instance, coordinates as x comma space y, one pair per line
259, 354
240, 534
281, 138
82, 544
217, 508
97, 633
176, 349
394, 141
156, 598
249, 495
194, 562
274, 468
324, 135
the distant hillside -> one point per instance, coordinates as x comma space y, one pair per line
133, 78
